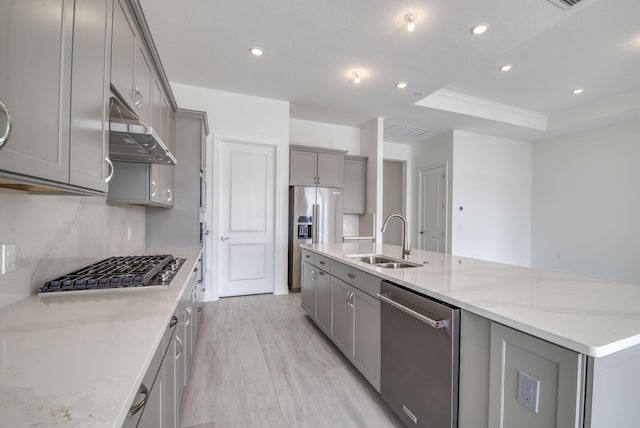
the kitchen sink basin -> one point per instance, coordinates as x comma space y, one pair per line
383, 261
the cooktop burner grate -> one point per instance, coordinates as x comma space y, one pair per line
116, 272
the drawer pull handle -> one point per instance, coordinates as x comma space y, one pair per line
111, 169
173, 322
179, 353
7, 128
135, 408
322, 263
350, 275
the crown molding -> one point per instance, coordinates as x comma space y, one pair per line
456, 102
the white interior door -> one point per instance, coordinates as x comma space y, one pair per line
432, 222
247, 202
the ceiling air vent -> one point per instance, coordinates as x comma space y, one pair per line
564, 4
410, 131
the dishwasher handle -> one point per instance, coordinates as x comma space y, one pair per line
385, 297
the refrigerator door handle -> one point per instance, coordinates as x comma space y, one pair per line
314, 225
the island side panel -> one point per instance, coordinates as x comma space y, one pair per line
612, 390
475, 339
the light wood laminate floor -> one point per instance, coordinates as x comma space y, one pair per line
261, 362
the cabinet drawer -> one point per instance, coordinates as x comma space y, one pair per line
309, 257
359, 279
323, 263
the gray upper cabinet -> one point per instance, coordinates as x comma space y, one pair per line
181, 226
167, 132
330, 169
90, 90
137, 80
355, 184
123, 52
35, 67
302, 168
142, 184
157, 107
58, 52
309, 166
142, 84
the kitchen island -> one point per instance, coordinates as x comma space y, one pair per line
595, 322
78, 360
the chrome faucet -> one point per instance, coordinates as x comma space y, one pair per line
406, 247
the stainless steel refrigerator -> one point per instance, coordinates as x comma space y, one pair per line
315, 216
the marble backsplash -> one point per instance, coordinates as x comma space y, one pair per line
57, 234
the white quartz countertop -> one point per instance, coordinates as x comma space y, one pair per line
77, 361
590, 316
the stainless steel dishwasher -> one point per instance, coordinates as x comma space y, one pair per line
420, 357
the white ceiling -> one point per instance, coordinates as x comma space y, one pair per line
313, 46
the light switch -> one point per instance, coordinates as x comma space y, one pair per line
528, 391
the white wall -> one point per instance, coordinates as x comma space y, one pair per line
431, 153
492, 183
55, 235
244, 118
586, 203
325, 135
372, 146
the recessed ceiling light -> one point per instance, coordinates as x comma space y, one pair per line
401, 85
505, 67
479, 29
577, 91
256, 51
356, 77
410, 19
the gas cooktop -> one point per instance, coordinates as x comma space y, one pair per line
118, 272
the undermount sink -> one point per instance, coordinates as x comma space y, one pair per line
383, 261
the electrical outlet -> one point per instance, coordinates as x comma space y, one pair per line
129, 233
8, 262
528, 391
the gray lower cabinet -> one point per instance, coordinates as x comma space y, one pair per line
341, 316
308, 289
199, 296
355, 328
48, 48
366, 336
341, 301
171, 410
323, 300
154, 405
533, 383
355, 185
159, 400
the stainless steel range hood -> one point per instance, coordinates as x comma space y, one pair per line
131, 140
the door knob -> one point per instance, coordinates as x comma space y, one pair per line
224, 238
